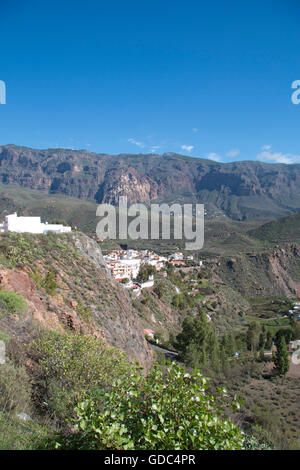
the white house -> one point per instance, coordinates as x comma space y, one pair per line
13, 223
176, 257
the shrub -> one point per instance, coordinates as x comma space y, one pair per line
84, 312
50, 283
72, 367
4, 336
166, 410
15, 388
145, 271
20, 435
59, 222
12, 302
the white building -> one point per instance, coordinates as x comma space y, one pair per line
123, 268
176, 257
13, 223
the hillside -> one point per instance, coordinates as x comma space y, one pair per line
241, 190
28, 202
65, 324
285, 229
264, 274
65, 285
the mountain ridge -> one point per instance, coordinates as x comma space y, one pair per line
239, 190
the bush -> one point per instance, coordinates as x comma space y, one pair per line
15, 388
50, 283
59, 222
167, 410
72, 367
145, 271
4, 336
84, 312
20, 435
12, 302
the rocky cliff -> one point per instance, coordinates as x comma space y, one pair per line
240, 190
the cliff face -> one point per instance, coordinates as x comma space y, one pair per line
127, 183
85, 300
276, 273
241, 190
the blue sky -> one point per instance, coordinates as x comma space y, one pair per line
206, 79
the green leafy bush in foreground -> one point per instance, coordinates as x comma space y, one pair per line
168, 409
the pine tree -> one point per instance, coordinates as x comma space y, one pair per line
252, 336
281, 358
269, 340
262, 338
262, 355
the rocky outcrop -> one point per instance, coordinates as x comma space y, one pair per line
128, 183
90, 249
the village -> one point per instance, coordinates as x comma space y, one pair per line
124, 266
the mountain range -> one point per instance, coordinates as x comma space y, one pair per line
240, 190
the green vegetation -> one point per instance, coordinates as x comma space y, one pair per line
75, 385
50, 285
59, 222
17, 434
168, 409
15, 388
12, 303
100, 401
281, 358
270, 307
283, 230
197, 343
145, 271
84, 312
4, 336
15, 401
271, 406
73, 367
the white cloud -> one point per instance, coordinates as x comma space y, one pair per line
135, 142
233, 153
266, 147
267, 155
214, 156
187, 148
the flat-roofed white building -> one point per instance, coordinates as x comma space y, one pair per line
13, 223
